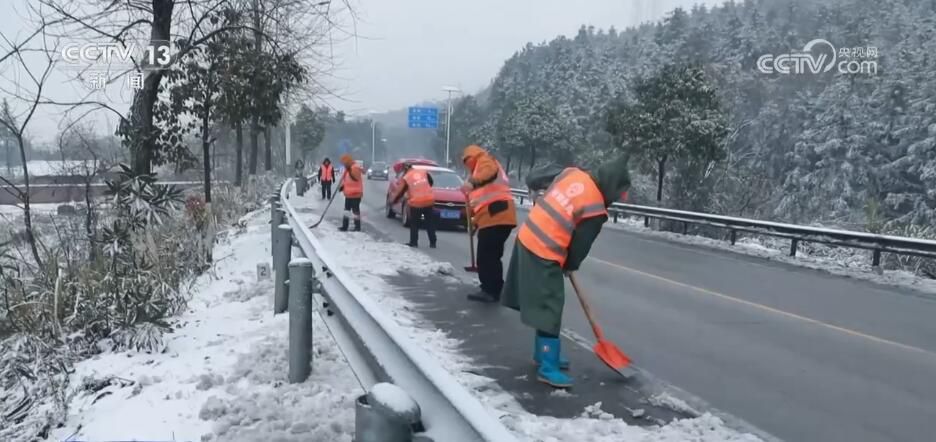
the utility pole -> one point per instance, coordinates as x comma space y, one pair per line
448, 124
373, 140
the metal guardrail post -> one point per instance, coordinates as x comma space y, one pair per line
793, 245
647, 221
301, 274
876, 261
734, 236
276, 218
282, 248
386, 414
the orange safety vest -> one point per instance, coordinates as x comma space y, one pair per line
420, 192
497, 190
570, 199
352, 188
327, 173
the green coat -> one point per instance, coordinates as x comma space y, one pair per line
535, 286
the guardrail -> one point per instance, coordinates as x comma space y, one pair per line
877, 244
376, 347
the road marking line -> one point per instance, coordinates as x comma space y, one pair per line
768, 309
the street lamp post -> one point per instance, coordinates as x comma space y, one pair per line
448, 123
373, 142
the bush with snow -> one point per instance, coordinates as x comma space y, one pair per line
103, 281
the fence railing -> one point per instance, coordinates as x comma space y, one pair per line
877, 244
434, 403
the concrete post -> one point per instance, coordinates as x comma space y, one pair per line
283, 248
301, 274
386, 414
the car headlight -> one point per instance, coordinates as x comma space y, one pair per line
370, 171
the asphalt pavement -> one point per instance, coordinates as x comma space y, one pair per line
800, 353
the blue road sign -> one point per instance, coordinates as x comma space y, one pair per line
344, 146
423, 117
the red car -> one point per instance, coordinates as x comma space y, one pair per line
449, 200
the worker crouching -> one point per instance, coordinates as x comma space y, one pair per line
554, 240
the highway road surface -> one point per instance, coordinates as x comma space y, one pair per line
804, 355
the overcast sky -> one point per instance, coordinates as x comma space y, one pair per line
405, 50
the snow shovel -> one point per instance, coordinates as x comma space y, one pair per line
474, 266
334, 194
609, 353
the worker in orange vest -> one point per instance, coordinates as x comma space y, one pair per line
418, 183
554, 240
352, 185
493, 214
326, 176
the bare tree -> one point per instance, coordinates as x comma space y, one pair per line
16, 122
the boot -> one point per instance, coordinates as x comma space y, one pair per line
412, 244
344, 224
548, 373
563, 361
357, 225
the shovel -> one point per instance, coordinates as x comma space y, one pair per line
334, 194
609, 353
473, 267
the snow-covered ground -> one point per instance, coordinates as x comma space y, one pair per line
387, 258
223, 373
843, 261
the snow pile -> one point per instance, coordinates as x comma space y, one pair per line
842, 261
369, 261
223, 375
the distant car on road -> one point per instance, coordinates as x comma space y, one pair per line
449, 207
378, 170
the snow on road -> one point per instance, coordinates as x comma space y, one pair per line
369, 261
223, 373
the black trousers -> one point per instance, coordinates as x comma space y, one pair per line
427, 216
326, 190
490, 251
353, 205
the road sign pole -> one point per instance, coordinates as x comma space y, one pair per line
448, 130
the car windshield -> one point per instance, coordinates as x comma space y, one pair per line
445, 179
379, 166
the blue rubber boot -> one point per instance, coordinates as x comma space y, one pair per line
563, 361
548, 372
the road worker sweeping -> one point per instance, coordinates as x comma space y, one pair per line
352, 185
554, 240
418, 183
493, 214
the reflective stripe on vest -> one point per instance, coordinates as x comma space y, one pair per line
497, 190
570, 199
327, 173
420, 192
352, 188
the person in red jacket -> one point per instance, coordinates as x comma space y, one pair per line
418, 183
